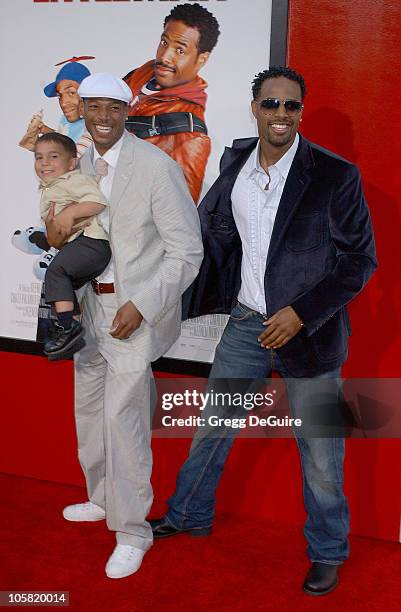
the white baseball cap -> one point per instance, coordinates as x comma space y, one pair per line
105, 85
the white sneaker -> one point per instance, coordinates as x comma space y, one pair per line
84, 512
124, 561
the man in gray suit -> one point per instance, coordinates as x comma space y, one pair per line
131, 315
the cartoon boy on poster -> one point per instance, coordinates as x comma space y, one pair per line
65, 87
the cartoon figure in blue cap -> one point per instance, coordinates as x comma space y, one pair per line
65, 87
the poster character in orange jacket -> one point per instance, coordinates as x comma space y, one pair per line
169, 96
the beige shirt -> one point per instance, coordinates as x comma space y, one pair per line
73, 187
255, 200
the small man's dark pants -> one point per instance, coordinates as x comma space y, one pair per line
74, 265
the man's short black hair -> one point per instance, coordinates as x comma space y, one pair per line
273, 73
66, 142
196, 16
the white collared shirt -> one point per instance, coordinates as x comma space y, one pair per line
106, 183
254, 209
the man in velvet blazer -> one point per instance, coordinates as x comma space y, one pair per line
287, 244
321, 252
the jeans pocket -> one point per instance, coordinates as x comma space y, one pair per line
240, 312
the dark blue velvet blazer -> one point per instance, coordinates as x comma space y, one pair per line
321, 252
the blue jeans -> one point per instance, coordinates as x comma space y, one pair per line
239, 356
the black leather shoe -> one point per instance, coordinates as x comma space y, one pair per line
321, 579
69, 353
64, 341
161, 528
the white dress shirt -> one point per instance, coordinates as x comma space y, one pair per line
106, 183
255, 201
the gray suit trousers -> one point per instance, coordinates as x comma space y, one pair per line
113, 384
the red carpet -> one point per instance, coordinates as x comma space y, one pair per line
244, 566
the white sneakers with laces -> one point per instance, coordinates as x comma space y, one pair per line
124, 561
84, 512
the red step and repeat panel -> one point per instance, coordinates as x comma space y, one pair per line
349, 54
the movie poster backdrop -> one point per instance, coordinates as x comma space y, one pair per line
109, 36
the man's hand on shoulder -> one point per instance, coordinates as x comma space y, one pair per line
281, 328
127, 320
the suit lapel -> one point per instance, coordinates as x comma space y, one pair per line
219, 195
297, 182
123, 172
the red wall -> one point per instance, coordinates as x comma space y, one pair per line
349, 54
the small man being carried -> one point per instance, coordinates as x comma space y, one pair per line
75, 199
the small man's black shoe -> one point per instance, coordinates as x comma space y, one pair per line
69, 353
321, 579
161, 528
64, 342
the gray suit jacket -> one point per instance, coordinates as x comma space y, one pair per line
155, 238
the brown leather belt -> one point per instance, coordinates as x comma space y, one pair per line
100, 288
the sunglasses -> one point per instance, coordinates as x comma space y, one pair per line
270, 105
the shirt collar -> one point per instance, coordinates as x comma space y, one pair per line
111, 156
43, 184
283, 165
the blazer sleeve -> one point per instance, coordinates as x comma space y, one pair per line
177, 223
352, 235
